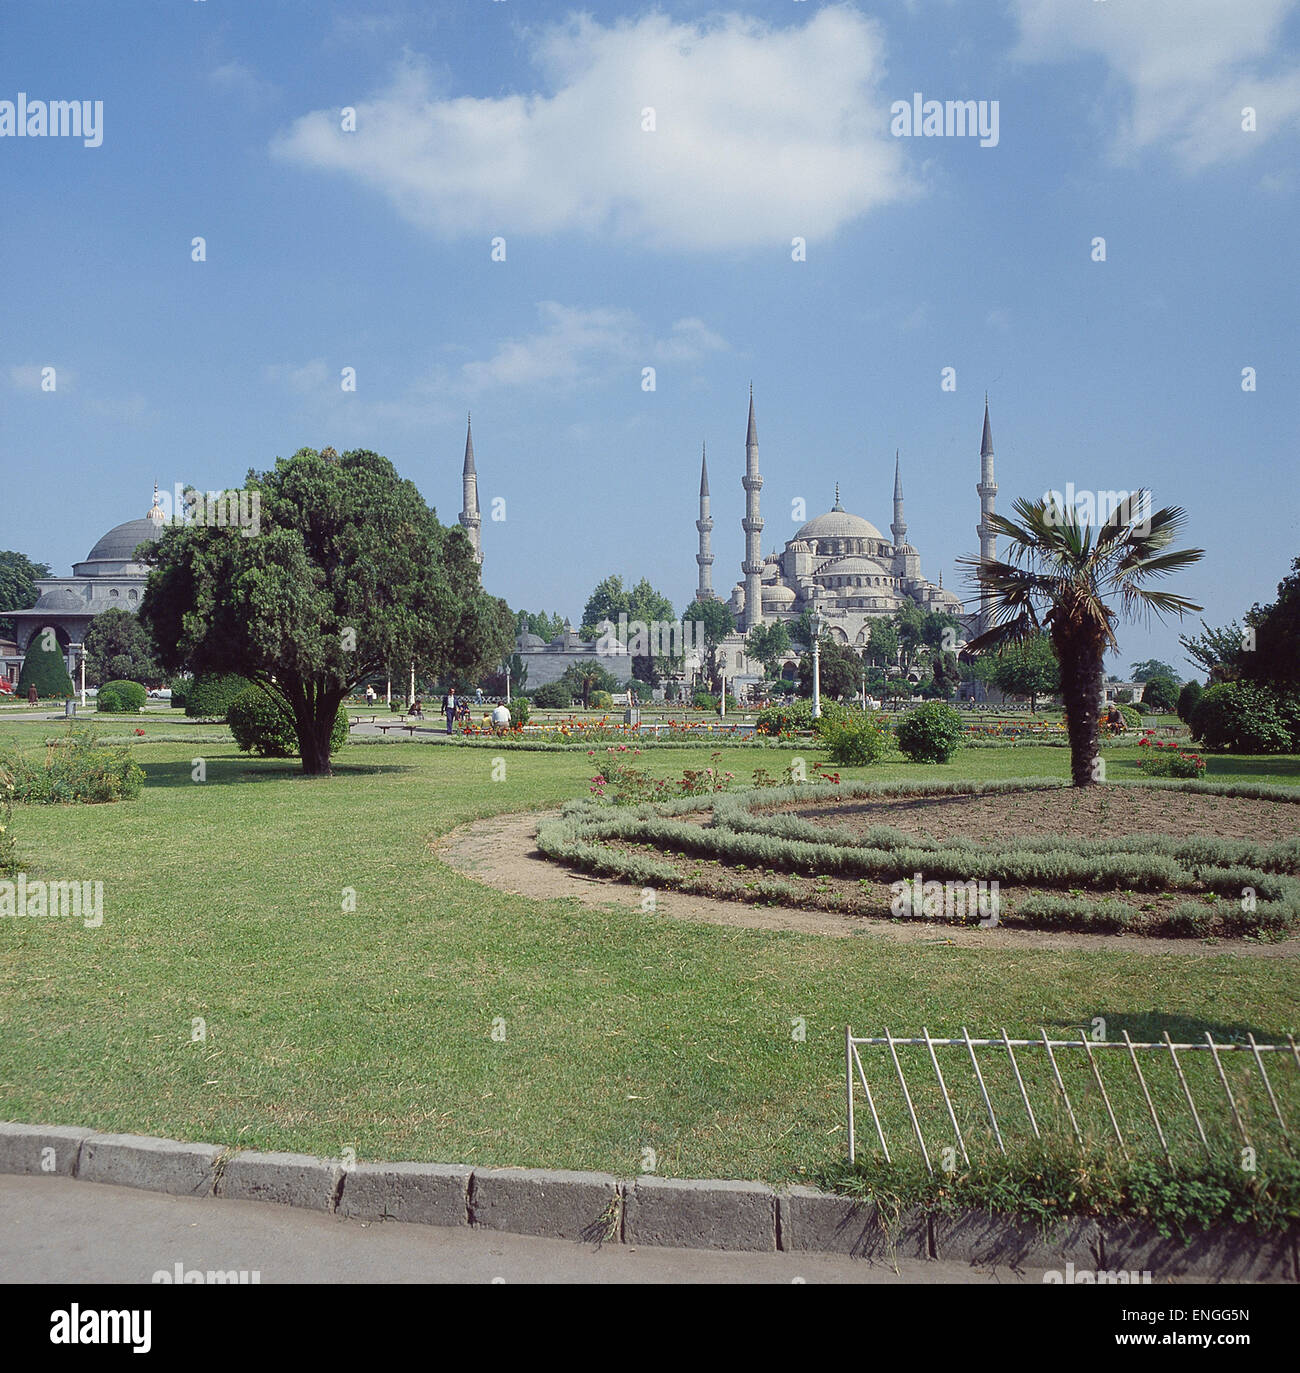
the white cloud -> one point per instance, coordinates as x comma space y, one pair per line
237, 79
302, 380
576, 345
761, 134
1190, 67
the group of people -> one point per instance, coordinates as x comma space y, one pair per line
454, 707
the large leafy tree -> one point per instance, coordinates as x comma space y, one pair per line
1275, 657
18, 574
768, 643
882, 648
839, 669
909, 624
608, 601
1028, 668
545, 626
119, 648
1152, 667
1217, 652
715, 623
350, 575
1059, 577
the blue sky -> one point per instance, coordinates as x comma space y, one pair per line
671, 248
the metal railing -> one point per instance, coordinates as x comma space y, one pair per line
1001, 1053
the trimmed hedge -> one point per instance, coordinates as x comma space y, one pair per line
121, 698
210, 694
45, 669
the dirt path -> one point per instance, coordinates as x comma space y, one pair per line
500, 852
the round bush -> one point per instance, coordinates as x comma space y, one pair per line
210, 694
931, 733
262, 726
601, 700
118, 697
856, 740
179, 688
1241, 717
519, 712
704, 700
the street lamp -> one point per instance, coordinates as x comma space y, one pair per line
817, 622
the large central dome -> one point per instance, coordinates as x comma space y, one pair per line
839, 524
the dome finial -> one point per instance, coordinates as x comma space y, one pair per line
155, 510
837, 505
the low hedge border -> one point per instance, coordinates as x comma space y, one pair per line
735, 835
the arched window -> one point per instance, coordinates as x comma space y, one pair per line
112, 595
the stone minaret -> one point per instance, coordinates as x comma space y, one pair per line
899, 527
704, 592
987, 489
471, 521
752, 524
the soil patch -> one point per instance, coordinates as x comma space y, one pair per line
1095, 812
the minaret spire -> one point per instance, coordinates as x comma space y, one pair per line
752, 524
470, 519
704, 558
899, 527
988, 490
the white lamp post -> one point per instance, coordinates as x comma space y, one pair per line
817, 664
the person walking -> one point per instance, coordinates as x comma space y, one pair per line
449, 708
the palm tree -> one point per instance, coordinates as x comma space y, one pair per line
1058, 578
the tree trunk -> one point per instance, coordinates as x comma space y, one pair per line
1081, 676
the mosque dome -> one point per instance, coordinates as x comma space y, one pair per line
62, 600
852, 565
839, 524
529, 641
120, 543
778, 597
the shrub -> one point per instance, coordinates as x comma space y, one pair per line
782, 719
76, 768
179, 688
601, 700
1241, 717
1187, 699
1169, 761
44, 669
210, 694
262, 726
1132, 716
121, 698
856, 740
931, 733
552, 696
519, 711
704, 700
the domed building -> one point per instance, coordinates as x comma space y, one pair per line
109, 577
838, 564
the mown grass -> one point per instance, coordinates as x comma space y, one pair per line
325, 1028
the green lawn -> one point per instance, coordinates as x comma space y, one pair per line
328, 1029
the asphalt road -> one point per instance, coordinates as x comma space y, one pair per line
61, 1230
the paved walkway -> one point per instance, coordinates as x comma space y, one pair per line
61, 1230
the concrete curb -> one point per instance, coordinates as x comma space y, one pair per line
286, 1179
155, 1165
534, 1201
669, 1212
423, 1193
696, 1214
